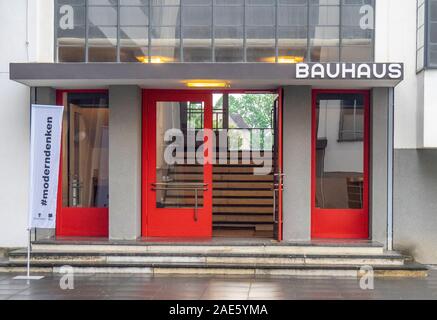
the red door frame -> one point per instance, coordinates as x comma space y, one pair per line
340, 223
153, 95
172, 222
78, 222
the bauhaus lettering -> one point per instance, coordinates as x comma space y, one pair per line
349, 71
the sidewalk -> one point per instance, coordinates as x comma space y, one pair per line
139, 287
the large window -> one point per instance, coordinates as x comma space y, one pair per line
340, 151
85, 153
156, 31
426, 34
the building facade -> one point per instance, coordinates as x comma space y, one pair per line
334, 97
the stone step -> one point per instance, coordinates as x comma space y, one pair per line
61, 258
267, 247
409, 270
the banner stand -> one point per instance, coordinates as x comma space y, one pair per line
45, 148
28, 277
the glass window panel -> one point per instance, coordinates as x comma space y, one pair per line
102, 36
160, 54
71, 54
102, 54
325, 16
134, 54
134, 16
357, 53
165, 16
102, 2
134, 2
299, 54
324, 54
229, 54
75, 36
292, 16
79, 16
71, 2
102, 16
197, 54
260, 16
260, 54
340, 152
292, 36
197, 16
184, 119
228, 16
85, 151
433, 55
351, 16
325, 36
134, 36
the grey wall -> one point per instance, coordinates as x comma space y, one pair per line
297, 163
124, 162
378, 165
415, 203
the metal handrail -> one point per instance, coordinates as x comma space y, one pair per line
165, 186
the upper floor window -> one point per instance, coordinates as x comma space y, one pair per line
157, 31
426, 34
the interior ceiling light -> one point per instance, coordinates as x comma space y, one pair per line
207, 84
154, 59
285, 59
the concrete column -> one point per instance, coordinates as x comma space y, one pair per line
125, 109
378, 164
297, 163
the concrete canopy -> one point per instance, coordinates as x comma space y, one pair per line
174, 75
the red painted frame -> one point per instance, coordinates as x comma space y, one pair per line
148, 152
172, 222
340, 223
79, 222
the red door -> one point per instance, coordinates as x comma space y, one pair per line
177, 166
340, 165
83, 192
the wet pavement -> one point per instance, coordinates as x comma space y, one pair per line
146, 287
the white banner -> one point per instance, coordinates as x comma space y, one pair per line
45, 150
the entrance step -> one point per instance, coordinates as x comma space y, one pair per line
61, 258
214, 257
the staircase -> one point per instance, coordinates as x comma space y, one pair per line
215, 257
242, 201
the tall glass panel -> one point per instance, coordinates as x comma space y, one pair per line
357, 28
102, 30
70, 19
85, 152
324, 30
197, 30
134, 31
229, 30
165, 17
260, 31
292, 31
340, 151
177, 124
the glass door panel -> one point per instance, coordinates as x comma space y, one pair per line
340, 165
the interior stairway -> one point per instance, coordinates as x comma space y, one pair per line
242, 201
215, 257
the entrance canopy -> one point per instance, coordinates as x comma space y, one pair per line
237, 75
